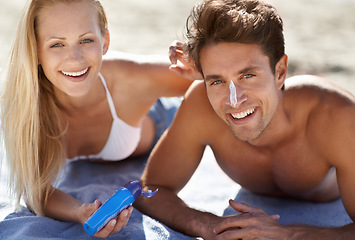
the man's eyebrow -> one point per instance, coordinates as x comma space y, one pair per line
242, 71
249, 69
212, 77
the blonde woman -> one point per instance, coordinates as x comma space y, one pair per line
63, 102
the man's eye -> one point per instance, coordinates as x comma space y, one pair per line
216, 82
248, 75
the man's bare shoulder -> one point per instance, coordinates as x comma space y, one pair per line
197, 101
327, 109
316, 86
317, 95
196, 95
196, 110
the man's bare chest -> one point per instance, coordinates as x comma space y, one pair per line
295, 169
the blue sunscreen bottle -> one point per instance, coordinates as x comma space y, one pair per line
121, 199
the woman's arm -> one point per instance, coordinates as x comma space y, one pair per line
62, 206
148, 74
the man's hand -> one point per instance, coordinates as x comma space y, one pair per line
113, 226
252, 223
187, 69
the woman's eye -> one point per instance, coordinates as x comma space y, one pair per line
56, 45
87, 41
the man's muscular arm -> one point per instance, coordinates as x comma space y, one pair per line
172, 163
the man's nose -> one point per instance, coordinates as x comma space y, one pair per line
236, 94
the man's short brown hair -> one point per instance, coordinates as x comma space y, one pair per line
242, 21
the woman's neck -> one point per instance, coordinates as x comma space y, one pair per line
74, 105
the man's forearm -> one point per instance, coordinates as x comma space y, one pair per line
311, 233
169, 209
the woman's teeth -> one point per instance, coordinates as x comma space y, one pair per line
75, 74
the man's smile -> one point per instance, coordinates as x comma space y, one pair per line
243, 114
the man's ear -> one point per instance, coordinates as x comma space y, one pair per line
106, 42
281, 71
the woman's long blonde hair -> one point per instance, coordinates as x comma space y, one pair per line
33, 132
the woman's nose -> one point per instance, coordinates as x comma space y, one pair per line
74, 53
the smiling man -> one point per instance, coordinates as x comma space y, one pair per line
276, 137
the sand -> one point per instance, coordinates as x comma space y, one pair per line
319, 34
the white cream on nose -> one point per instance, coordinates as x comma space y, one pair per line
233, 94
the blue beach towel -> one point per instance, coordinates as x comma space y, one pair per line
328, 214
208, 190
88, 181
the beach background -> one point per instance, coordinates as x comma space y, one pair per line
319, 36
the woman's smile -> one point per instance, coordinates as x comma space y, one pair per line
75, 74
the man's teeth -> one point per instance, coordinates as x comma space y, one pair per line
241, 115
75, 74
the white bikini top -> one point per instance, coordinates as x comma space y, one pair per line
123, 138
